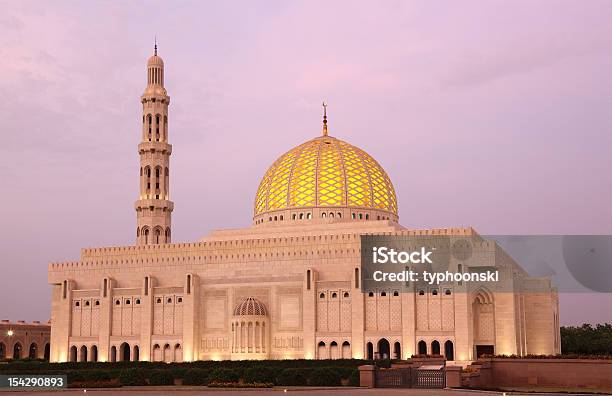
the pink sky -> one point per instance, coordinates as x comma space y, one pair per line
491, 114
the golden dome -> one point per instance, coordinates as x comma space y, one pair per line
325, 172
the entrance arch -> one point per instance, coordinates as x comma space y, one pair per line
124, 352
384, 349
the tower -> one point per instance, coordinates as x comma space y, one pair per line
153, 207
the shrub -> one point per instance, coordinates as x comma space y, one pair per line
324, 377
132, 377
353, 379
224, 375
254, 375
292, 377
196, 376
161, 377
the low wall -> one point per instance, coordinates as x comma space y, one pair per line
544, 373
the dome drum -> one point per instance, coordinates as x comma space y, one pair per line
326, 214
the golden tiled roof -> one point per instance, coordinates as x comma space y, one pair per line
325, 171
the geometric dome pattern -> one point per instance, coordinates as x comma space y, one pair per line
250, 306
325, 171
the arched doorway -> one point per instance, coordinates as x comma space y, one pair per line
370, 351
47, 351
397, 350
113, 355
94, 353
83, 354
33, 352
178, 353
321, 351
483, 312
384, 349
333, 350
124, 352
73, 353
346, 350
136, 354
435, 348
422, 346
2, 351
449, 351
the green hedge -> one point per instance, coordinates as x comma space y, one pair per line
200, 373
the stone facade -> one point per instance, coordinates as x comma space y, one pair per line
288, 286
24, 340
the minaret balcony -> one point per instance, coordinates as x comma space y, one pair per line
161, 147
156, 203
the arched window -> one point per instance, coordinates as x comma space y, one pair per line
73, 353
17, 351
113, 354
422, 347
148, 176
435, 348
168, 235
2, 351
137, 232
136, 355
47, 352
384, 349
157, 176
367, 216
346, 295
301, 216
370, 351
449, 352
397, 350
333, 350
360, 216
383, 294
157, 235
334, 295
281, 217
371, 294
339, 215
421, 292
157, 127
167, 355
331, 214
33, 352
294, 216
346, 350
157, 355
165, 135
149, 121
321, 351
94, 353
447, 292
323, 215
83, 354
178, 353
322, 295
309, 216
434, 292
395, 293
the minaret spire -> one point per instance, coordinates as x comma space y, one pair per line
155, 48
324, 119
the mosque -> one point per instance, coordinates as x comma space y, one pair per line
288, 286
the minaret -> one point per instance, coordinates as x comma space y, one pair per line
154, 208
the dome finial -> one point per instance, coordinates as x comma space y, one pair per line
155, 48
324, 119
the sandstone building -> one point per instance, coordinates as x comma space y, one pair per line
288, 286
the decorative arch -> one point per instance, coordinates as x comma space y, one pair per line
157, 353
136, 353
94, 354
397, 350
124, 352
178, 353
168, 239
2, 351
113, 354
167, 353
370, 351
157, 233
145, 235
47, 351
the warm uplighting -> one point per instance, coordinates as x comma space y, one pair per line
10, 333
